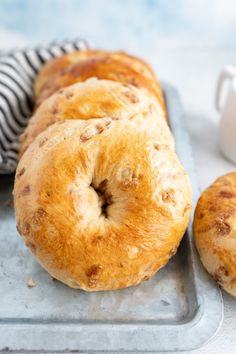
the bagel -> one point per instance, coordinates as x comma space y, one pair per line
81, 65
95, 98
215, 231
101, 203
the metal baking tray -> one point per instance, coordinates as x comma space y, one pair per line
179, 309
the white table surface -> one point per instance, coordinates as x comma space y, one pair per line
194, 73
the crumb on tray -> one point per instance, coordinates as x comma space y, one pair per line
31, 283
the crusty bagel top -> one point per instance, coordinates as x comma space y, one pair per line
95, 98
81, 65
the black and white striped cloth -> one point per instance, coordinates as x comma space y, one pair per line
17, 73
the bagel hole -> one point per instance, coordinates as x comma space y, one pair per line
105, 198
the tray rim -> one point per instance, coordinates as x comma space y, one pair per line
128, 336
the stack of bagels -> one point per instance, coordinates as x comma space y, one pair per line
100, 196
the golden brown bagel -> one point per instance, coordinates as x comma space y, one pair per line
81, 65
95, 98
215, 231
101, 203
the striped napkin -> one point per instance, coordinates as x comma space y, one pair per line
17, 73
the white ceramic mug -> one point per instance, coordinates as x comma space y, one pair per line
228, 112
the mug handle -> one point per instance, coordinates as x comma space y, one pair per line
228, 72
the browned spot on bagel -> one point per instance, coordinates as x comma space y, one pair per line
168, 196
20, 173
224, 271
96, 240
220, 274
93, 274
38, 216
25, 230
25, 191
121, 265
213, 208
94, 270
146, 278
226, 194
186, 208
133, 81
131, 97
201, 215
69, 95
206, 228
85, 136
128, 183
100, 128
222, 227
43, 141
157, 147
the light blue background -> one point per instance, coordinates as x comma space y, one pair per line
128, 24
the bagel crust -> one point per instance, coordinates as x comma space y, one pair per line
95, 98
215, 231
79, 66
101, 203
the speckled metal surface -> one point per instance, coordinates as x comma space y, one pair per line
179, 309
